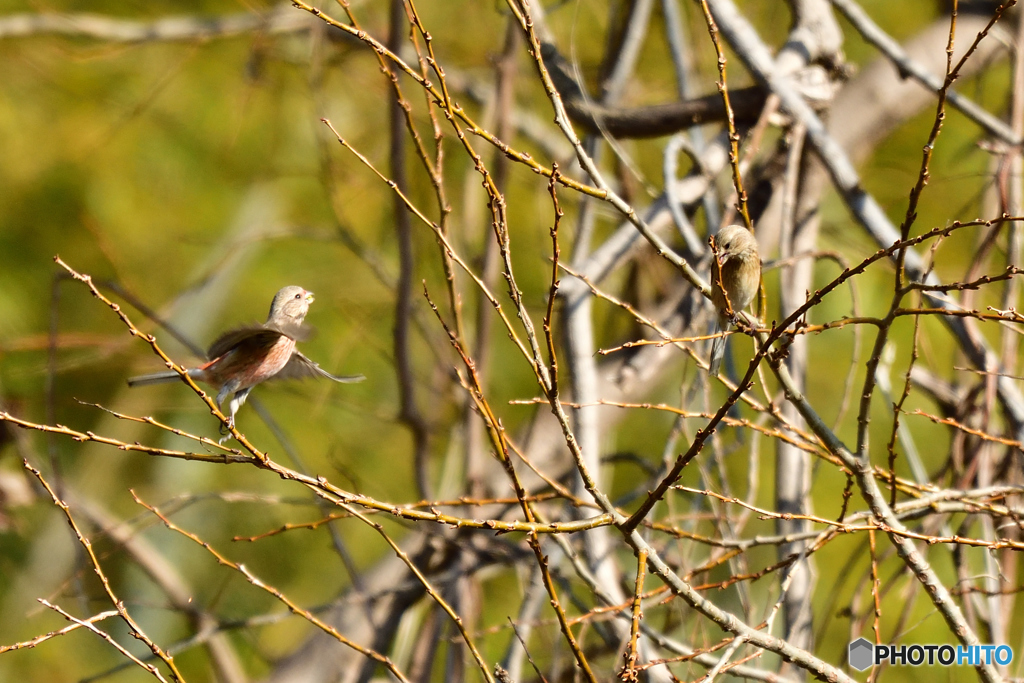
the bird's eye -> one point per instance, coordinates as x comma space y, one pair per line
298, 296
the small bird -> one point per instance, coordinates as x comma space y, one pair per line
240, 359
737, 269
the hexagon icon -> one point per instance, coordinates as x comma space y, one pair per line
862, 654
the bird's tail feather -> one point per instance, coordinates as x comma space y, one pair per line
156, 378
717, 351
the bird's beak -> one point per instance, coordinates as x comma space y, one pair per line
310, 298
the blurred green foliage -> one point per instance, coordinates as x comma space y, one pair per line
165, 167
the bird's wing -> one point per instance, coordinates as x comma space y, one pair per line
252, 334
298, 332
299, 367
258, 335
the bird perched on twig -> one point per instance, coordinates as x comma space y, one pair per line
735, 277
242, 358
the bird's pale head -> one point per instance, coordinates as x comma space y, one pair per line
736, 242
290, 305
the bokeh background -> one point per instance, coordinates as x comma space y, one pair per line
194, 176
